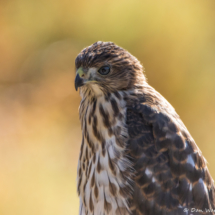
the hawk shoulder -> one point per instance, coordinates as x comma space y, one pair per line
171, 174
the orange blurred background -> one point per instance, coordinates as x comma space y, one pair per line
40, 132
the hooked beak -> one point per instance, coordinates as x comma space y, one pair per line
79, 81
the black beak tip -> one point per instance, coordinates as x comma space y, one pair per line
78, 82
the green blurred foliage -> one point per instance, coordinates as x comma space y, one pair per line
39, 127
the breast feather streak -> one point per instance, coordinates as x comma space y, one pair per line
103, 162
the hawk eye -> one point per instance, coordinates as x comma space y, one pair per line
104, 70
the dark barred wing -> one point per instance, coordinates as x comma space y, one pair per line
171, 176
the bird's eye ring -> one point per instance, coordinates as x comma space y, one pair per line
104, 70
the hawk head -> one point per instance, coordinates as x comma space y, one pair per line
105, 68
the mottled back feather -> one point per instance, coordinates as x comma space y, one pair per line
171, 173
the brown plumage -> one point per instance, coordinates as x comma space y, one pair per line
136, 157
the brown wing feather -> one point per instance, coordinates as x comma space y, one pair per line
170, 171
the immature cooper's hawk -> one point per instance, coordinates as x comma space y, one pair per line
137, 157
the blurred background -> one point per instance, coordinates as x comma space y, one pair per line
40, 132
